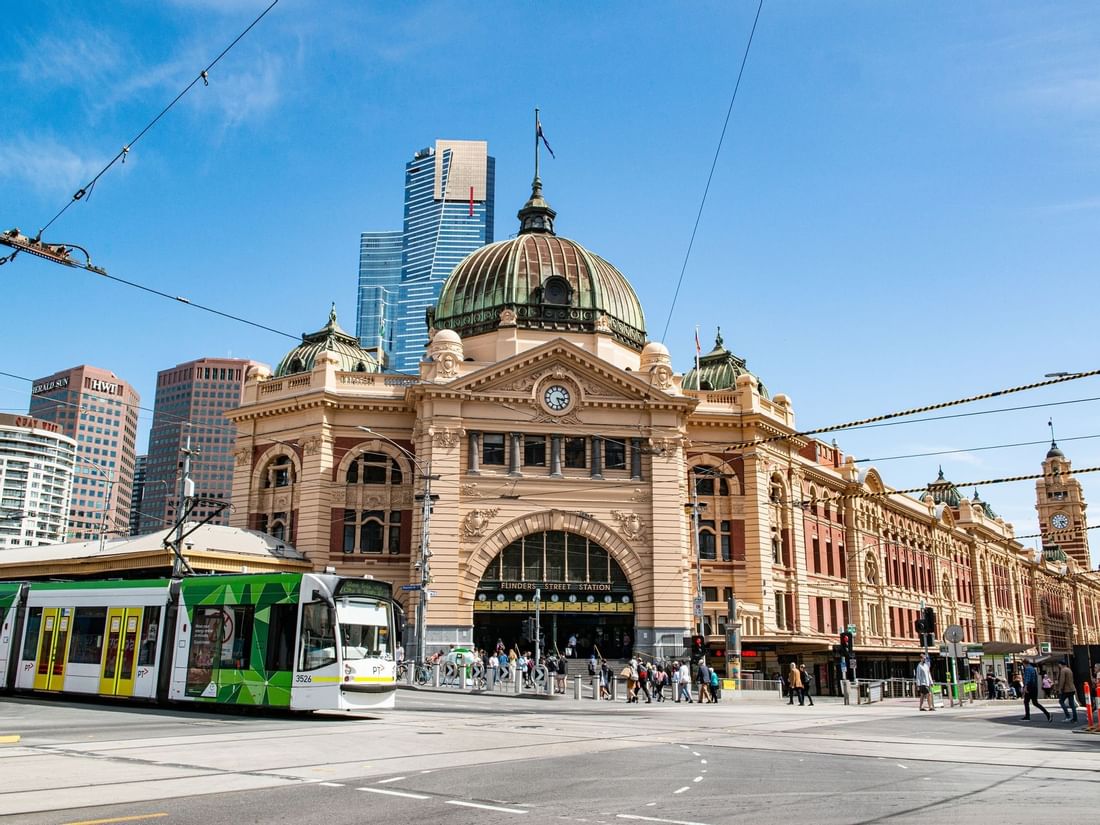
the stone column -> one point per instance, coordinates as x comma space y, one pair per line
597, 457
555, 456
473, 462
635, 459
513, 454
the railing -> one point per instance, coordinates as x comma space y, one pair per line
271, 386
298, 381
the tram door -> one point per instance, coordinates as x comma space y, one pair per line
53, 648
120, 651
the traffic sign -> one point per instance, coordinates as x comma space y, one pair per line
852, 629
953, 634
410, 587
698, 608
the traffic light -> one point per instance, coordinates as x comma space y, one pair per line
846, 644
527, 629
698, 645
926, 627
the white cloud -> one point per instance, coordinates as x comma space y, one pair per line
46, 165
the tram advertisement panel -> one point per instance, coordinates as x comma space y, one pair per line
206, 640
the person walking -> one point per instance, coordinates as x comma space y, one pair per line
807, 683
1067, 692
923, 677
1031, 692
685, 682
794, 685
644, 675
703, 677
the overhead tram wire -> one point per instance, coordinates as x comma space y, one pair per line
713, 166
202, 75
972, 449
876, 420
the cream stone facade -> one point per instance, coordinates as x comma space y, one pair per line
565, 454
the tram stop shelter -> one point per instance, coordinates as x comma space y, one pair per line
211, 548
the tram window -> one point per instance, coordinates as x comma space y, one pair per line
237, 636
150, 627
280, 637
86, 647
318, 636
575, 453
30, 642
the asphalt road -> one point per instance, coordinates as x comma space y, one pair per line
456, 759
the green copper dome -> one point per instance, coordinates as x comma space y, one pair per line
719, 370
538, 280
944, 492
330, 338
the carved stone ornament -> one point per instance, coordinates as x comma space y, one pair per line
545, 418
641, 495
446, 365
507, 317
662, 375
312, 445
243, 455
446, 437
603, 323
523, 384
476, 522
630, 524
665, 446
469, 490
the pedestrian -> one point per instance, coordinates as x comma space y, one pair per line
1048, 683
715, 693
990, 685
660, 679
643, 680
630, 672
1031, 692
1067, 692
685, 682
703, 677
923, 677
571, 645
605, 680
794, 685
807, 681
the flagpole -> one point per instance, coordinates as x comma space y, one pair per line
536, 143
698, 374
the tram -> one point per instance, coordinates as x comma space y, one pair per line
300, 641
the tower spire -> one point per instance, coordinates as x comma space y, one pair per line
536, 216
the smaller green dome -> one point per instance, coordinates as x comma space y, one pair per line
330, 338
944, 492
977, 502
719, 370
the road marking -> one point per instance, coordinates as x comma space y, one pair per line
393, 793
902, 766
695, 753
391, 779
654, 819
485, 807
705, 761
681, 790
331, 784
685, 747
13, 739
697, 779
117, 819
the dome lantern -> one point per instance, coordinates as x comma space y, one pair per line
331, 339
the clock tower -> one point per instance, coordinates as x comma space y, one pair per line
1061, 506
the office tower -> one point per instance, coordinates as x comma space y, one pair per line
138, 494
191, 401
100, 411
36, 481
449, 193
379, 283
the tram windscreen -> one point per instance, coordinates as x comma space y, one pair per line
364, 631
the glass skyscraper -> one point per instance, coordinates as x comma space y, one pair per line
449, 194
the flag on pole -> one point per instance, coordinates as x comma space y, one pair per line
698, 347
542, 137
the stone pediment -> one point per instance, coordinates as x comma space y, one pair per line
521, 376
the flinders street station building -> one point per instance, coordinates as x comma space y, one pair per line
561, 452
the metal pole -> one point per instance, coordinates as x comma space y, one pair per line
698, 604
538, 601
425, 571
184, 501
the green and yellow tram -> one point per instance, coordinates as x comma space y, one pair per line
301, 641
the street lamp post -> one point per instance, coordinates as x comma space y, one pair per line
424, 562
110, 479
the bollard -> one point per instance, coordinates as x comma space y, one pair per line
548, 683
596, 688
614, 684
435, 675
410, 671
1088, 706
462, 684
491, 679
576, 687
517, 683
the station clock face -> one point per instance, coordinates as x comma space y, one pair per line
556, 397
1059, 521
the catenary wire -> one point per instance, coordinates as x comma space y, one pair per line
202, 75
972, 449
710, 176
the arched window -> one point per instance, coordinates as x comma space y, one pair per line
374, 468
296, 365
374, 505
278, 473
716, 540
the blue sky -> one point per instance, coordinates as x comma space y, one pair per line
904, 211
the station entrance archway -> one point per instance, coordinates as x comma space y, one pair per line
584, 596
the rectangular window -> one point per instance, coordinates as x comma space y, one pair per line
150, 628
727, 593
395, 532
706, 540
370, 532
780, 618
820, 605
576, 453
817, 555
349, 531
492, 448
318, 636
280, 637
614, 454
30, 642
534, 451
710, 594
727, 552
86, 647
829, 557
236, 649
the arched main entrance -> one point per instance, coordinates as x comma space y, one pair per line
584, 595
